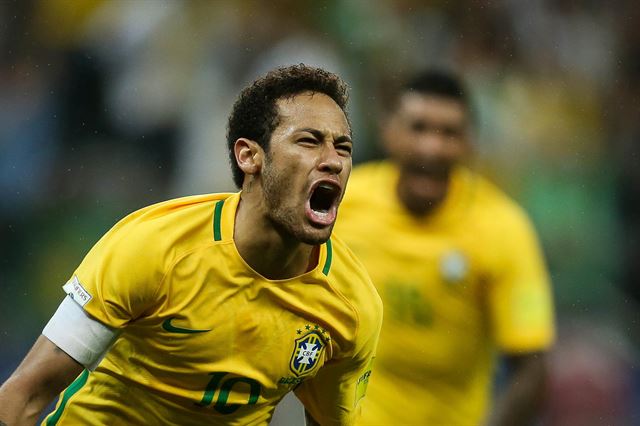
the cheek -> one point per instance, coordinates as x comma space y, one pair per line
401, 146
279, 182
458, 150
271, 180
346, 167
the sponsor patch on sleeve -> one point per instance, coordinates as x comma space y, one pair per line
74, 289
363, 381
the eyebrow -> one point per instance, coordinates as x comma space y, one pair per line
319, 134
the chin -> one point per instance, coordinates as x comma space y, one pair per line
315, 236
423, 205
304, 232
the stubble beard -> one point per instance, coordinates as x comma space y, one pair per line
287, 220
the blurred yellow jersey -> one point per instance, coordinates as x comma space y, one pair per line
207, 340
456, 285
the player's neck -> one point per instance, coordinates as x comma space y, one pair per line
267, 251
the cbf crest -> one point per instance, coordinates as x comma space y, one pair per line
454, 267
307, 350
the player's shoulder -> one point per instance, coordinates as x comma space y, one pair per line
492, 203
177, 223
373, 171
160, 216
171, 209
369, 187
351, 278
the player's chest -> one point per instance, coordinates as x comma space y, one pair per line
425, 276
431, 259
243, 328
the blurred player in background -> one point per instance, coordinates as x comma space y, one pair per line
209, 309
458, 266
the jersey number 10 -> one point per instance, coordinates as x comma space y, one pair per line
223, 387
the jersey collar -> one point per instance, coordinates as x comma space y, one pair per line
224, 214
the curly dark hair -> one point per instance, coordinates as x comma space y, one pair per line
255, 115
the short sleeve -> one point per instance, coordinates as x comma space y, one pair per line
519, 298
117, 280
333, 396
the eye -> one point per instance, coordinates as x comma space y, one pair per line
308, 140
450, 132
418, 126
346, 148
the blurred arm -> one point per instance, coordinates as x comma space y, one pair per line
70, 341
519, 403
521, 309
42, 375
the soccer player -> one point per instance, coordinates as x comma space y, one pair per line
458, 267
209, 309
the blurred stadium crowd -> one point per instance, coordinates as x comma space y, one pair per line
107, 106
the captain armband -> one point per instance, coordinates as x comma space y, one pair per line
81, 337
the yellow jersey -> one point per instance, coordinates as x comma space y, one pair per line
207, 340
456, 285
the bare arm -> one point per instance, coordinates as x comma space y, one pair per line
43, 374
520, 401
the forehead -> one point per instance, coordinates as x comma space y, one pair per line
312, 110
431, 107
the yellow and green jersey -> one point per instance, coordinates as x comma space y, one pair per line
456, 285
207, 340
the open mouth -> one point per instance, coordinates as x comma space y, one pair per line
432, 170
323, 203
426, 182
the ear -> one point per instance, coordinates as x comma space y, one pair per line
249, 156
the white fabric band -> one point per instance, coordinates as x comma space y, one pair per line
80, 336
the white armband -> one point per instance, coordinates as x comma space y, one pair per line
80, 336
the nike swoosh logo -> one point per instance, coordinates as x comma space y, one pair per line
172, 329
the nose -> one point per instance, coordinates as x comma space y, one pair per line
431, 144
330, 160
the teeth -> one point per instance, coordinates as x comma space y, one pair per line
326, 186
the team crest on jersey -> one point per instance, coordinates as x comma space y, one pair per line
307, 350
454, 267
